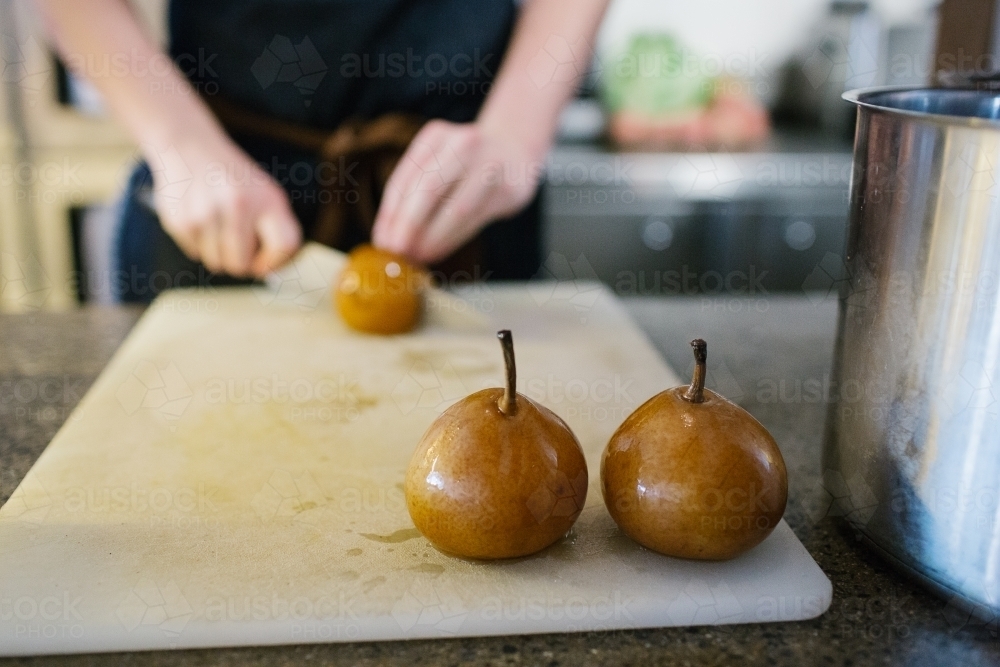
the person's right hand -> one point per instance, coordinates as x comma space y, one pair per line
222, 209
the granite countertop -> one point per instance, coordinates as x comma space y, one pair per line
761, 350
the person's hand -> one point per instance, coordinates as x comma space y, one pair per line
222, 209
452, 181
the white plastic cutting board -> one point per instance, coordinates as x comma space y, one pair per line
234, 477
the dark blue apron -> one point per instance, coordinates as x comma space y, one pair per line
318, 63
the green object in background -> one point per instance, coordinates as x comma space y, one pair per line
656, 76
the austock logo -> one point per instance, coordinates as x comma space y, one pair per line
558, 497
969, 392
826, 279
972, 170
26, 63
573, 611
559, 61
426, 387
147, 604
287, 496
607, 398
719, 378
283, 62
853, 63
171, 179
574, 282
701, 603
162, 390
42, 618
303, 283
440, 167
31, 502
850, 498
962, 614
710, 176
23, 282
430, 605
883, 616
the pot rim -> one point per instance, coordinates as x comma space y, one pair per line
857, 96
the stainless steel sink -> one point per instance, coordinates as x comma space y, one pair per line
698, 223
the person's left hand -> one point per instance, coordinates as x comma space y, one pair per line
452, 181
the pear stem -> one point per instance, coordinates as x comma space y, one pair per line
696, 390
508, 403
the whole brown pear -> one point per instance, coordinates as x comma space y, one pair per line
496, 475
692, 475
379, 292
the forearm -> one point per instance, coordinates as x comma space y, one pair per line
101, 41
532, 86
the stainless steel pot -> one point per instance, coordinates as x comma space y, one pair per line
912, 455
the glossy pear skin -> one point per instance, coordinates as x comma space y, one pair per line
487, 485
379, 292
694, 480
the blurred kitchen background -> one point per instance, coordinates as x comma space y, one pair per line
666, 216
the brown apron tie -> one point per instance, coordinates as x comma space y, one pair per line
361, 155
